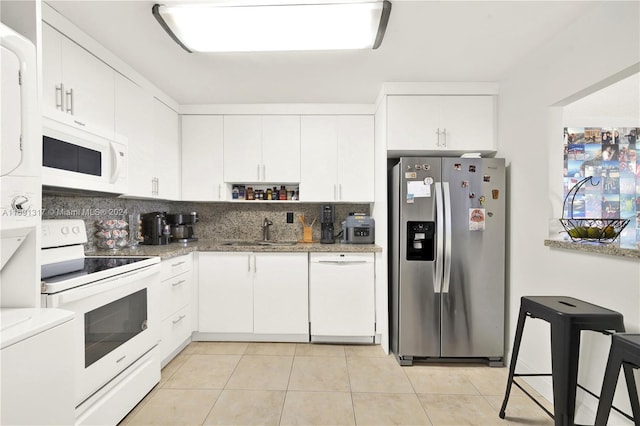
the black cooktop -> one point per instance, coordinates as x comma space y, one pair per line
89, 265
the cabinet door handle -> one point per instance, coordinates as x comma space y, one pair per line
178, 283
173, 265
69, 96
445, 137
67, 99
79, 123
180, 318
340, 191
335, 192
255, 265
438, 137
249, 263
59, 92
157, 186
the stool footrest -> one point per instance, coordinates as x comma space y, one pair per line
613, 407
532, 375
534, 400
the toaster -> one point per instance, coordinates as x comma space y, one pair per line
358, 228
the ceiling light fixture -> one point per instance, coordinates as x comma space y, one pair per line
249, 28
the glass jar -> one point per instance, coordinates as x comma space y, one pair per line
250, 193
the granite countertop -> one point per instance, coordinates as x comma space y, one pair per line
613, 249
178, 249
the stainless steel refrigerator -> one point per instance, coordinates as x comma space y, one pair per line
447, 259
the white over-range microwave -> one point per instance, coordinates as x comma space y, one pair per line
83, 159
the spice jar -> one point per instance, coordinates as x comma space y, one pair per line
250, 194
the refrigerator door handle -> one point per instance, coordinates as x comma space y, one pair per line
447, 237
437, 282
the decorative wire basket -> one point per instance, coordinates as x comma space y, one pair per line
598, 230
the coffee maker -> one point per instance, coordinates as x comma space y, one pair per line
327, 217
155, 230
182, 226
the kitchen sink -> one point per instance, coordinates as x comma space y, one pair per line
260, 243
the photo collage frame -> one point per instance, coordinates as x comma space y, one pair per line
609, 154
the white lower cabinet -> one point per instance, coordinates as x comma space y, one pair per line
253, 296
225, 293
37, 379
176, 329
342, 297
281, 293
176, 288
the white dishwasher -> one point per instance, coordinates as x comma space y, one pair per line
342, 297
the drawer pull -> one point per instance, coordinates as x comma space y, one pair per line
178, 283
180, 318
173, 265
121, 359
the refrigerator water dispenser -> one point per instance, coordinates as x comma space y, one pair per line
421, 240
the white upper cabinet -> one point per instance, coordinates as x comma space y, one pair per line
152, 130
52, 68
202, 158
134, 119
337, 158
75, 82
261, 148
281, 148
446, 124
355, 158
166, 132
242, 148
319, 158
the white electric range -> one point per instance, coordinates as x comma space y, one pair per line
116, 330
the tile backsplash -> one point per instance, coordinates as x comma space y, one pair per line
219, 221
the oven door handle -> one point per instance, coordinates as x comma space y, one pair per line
102, 286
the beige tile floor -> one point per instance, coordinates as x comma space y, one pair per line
216, 383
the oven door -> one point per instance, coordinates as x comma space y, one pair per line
116, 323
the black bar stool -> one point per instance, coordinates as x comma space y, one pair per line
624, 352
567, 316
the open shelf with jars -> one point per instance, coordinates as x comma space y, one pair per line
264, 192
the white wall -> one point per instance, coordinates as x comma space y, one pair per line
380, 215
530, 138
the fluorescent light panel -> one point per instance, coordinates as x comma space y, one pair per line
211, 28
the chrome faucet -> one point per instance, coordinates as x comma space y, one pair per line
266, 223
